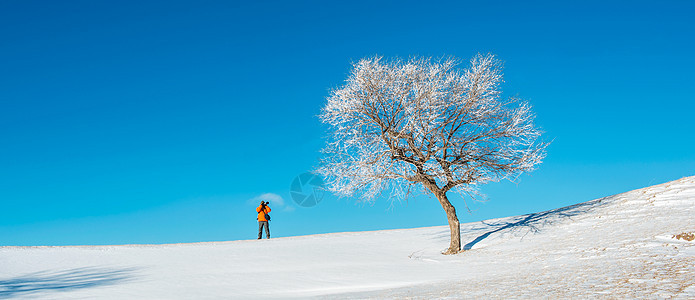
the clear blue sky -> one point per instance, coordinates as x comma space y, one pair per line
164, 121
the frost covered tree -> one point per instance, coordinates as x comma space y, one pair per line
426, 125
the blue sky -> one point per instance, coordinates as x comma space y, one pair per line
167, 121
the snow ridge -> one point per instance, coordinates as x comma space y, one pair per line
622, 246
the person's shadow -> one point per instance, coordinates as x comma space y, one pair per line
535, 221
65, 280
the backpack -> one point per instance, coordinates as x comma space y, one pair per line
265, 215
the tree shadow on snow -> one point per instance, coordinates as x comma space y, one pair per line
534, 222
66, 280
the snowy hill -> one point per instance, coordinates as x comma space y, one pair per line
621, 246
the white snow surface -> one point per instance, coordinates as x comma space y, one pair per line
621, 246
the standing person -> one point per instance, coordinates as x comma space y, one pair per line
263, 210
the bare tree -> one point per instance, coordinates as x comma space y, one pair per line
426, 124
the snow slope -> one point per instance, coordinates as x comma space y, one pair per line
620, 246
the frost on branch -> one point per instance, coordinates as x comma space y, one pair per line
397, 124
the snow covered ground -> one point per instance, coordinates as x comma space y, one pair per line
621, 246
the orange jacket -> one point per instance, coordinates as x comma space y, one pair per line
261, 214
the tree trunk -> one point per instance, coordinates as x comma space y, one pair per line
454, 226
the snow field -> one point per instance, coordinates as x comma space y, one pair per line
621, 246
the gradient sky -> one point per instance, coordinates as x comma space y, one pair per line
167, 121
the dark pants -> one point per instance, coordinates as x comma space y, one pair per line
262, 224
